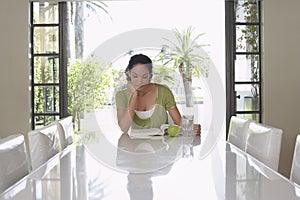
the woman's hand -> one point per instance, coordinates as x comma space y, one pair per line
142, 90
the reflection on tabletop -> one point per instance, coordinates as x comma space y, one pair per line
150, 155
143, 158
119, 167
140, 155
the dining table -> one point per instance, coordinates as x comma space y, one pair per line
118, 167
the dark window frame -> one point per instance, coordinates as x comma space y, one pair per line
230, 35
62, 79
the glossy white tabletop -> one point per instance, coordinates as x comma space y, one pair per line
161, 168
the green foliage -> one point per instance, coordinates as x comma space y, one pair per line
250, 36
184, 54
46, 98
89, 86
162, 74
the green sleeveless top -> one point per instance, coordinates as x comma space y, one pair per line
164, 102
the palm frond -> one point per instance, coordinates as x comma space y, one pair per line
94, 5
184, 51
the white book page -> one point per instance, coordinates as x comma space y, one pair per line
148, 133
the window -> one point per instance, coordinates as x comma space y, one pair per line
243, 59
45, 62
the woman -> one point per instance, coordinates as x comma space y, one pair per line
143, 104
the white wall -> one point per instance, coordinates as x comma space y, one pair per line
281, 87
14, 65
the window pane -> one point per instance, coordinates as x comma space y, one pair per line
41, 121
247, 38
46, 69
247, 68
248, 97
46, 99
254, 117
45, 13
247, 11
45, 39
251, 103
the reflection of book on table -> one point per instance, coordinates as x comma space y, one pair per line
148, 133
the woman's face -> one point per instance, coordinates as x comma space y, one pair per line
139, 75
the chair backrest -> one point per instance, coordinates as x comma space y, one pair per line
66, 131
43, 144
14, 162
238, 129
264, 143
295, 170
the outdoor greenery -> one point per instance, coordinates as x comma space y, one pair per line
46, 98
186, 55
248, 42
46, 67
90, 82
89, 87
250, 37
162, 74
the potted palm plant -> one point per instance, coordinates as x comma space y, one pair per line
185, 55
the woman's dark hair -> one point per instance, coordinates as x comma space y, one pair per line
139, 59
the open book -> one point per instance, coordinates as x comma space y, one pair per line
148, 133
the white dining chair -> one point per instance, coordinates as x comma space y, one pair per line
295, 169
14, 161
264, 143
66, 134
43, 144
66, 131
238, 129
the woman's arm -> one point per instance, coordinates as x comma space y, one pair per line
175, 115
170, 104
125, 116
